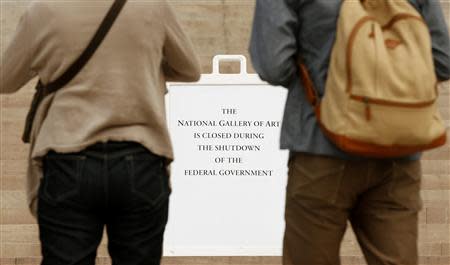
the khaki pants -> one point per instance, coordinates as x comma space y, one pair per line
380, 198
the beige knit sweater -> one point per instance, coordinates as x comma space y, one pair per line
119, 95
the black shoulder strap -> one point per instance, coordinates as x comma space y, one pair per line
74, 69
99, 36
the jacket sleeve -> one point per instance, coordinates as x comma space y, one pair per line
16, 63
434, 17
180, 62
273, 44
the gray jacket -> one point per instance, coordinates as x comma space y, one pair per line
284, 28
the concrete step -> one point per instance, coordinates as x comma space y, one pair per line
346, 260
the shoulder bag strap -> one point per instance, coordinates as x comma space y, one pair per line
74, 69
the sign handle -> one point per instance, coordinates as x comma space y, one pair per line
229, 58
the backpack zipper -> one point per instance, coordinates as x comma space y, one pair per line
367, 104
367, 101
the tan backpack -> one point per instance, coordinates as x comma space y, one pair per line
381, 90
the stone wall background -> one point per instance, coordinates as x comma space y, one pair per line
216, 27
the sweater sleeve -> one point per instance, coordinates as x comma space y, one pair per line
180, 61
16, 61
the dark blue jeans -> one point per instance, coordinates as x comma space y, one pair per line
118, 185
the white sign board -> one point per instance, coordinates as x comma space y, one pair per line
229, 176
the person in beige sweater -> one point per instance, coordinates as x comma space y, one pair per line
100, 145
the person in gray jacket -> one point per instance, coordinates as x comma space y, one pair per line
326, 186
